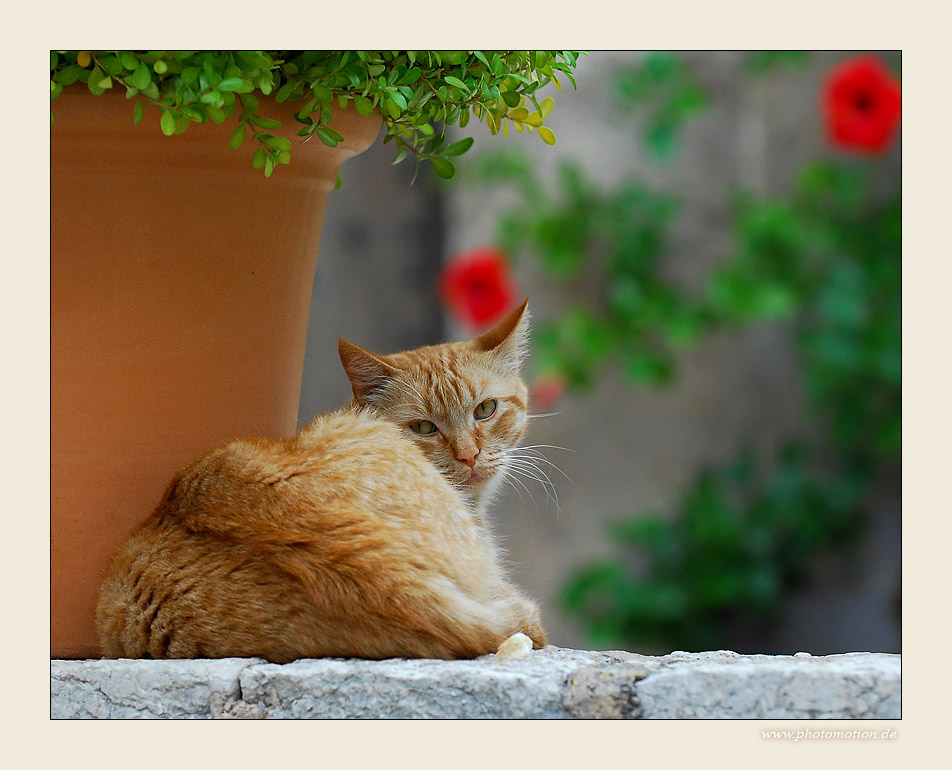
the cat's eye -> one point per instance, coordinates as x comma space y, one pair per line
423, 427
485, 409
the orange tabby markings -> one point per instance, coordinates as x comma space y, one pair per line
357, 537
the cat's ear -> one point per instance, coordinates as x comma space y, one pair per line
508, 340
367, 372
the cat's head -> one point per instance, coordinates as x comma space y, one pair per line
463, 403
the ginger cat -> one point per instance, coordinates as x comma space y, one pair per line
361, 536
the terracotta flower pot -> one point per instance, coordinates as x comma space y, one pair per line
181, 282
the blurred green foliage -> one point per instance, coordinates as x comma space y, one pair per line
825, 261
741, 535
663, 89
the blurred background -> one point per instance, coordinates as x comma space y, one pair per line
712, 251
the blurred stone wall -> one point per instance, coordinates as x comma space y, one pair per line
626, 450
381, 250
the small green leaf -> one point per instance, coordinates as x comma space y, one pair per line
258, 159
69, 74
364, 105
397, 98
250, 101
284, 92
216, 114
546, 134
455, 82
238, 136
322, 92
194, 114
141, 77
168, 123
266, 123
458, 148
511, 98
546, 107
230, 84
137, 112
306, 111
160, 67
95, 82
443, 167
112, 65
253, 59
327, 137
279, 143
338, 183
190, 75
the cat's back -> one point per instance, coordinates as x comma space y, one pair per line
345, 465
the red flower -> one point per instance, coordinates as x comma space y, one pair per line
477, 287
861, 104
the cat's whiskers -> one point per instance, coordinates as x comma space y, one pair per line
528, 470
512, 481
545, 446
533, 452
526, 464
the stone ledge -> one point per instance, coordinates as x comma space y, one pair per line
553, 683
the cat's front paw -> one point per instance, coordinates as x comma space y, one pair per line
516, 646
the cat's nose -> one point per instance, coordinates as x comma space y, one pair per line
467, 454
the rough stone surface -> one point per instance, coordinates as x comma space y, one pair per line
726, 685
141, 689
549, 684
603, 692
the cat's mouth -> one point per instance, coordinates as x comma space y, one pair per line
476, 478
